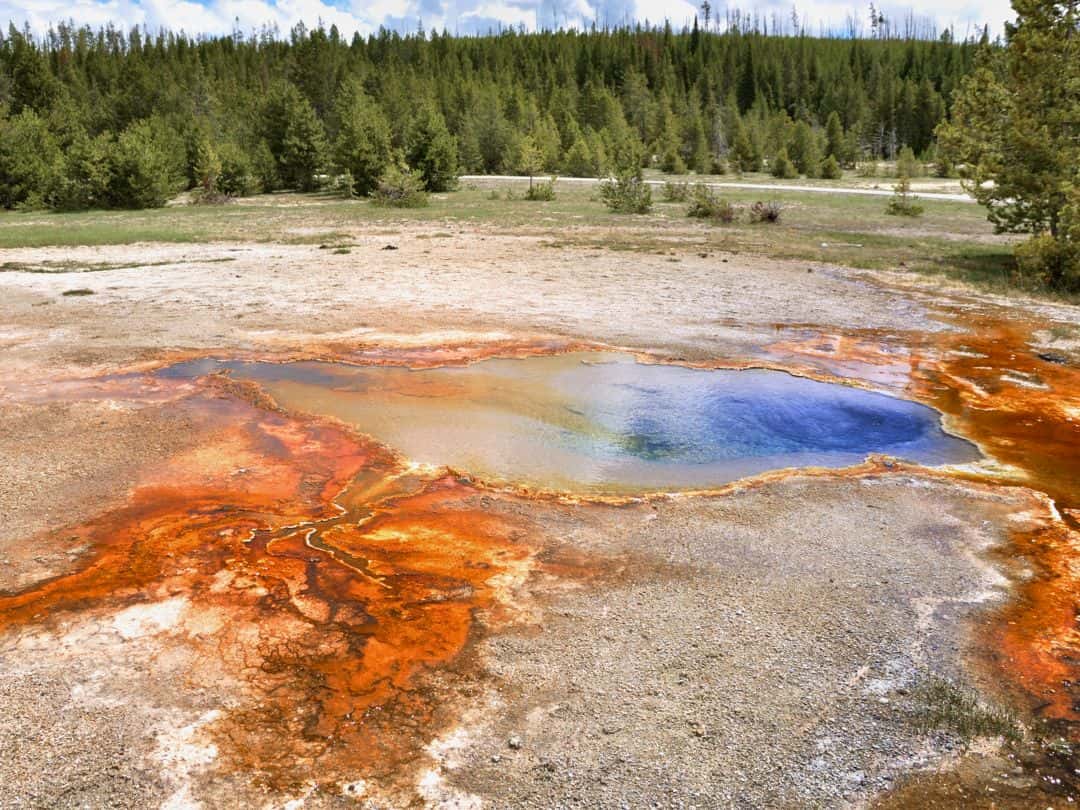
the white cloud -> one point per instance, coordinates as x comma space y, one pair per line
365, 16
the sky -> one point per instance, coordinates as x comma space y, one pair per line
462, 16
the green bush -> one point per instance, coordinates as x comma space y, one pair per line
830, 169
671, 161
706, 204
866, 168
782, 167
627, 193
907, 165
902, 203
541, 190
676, 192
1049, 263
400, 188
580, 161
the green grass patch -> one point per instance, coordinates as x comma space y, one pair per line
951, 239
57, 267
946, 706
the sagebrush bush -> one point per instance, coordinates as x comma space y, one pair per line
707, 204
400, 188
765, 211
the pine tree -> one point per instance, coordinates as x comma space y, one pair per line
830, 169
748, 89
646, 87
433, 150
1016, 132
531, 159
146, 166
743, 151
295, 136
29, 160
834, 138
580, 160
362, 147
207, 166
803, 150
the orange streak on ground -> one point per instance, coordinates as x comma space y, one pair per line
1024, 412
327, 637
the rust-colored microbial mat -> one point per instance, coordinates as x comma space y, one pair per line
330, 579
1023, 409
323, 574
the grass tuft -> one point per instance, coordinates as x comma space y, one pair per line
946, 706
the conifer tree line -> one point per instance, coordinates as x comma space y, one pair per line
103, 118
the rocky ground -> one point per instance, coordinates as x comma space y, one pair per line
762, 647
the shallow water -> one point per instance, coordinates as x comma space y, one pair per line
602, 422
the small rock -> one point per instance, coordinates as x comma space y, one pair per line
390, 247
515, 742
1053, 357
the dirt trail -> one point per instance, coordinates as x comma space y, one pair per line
865, 192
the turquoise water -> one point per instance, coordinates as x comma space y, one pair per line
604, 422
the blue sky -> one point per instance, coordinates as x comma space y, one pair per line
463, 16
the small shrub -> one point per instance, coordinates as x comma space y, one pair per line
676, 192
706, 204
902, 203
344, 184
671, 162
541, 191
400, 188
765, 211
201, 196
830, 169
943, 167
627, 193
78, 291
782, 167
1049, 263
866, 168
907, 165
